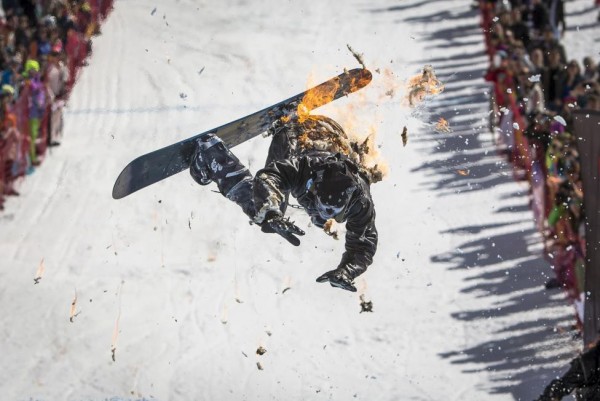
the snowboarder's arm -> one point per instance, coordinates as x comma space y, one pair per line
272, 184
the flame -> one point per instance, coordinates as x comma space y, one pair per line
360, 142
40, 272
463, 172
315, 97
442, 125
422, 85
324, 93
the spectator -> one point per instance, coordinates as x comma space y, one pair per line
9, 144
537, 60
557, 17
43, 43
593, 102
37, 105
583, 378
553, 81
23, 33
519, 29
590, 69
540, 16
57, 76
11, 74
572, 78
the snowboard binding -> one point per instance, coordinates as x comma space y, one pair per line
199, 168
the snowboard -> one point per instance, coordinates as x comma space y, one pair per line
163, 163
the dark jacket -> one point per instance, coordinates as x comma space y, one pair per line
583, 376
293, 175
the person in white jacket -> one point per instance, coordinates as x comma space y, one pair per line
57, 75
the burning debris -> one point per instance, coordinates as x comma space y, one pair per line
422, 85
73, 312
113, 345
261, 350
365, 306
464, 172
442, 125
358, 57
404, 136
39, 273
330, 228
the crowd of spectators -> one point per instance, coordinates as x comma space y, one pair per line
43, 43
536, 87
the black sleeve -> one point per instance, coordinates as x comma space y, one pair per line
571, 380
361, 235
273, 183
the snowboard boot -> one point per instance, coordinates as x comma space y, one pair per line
213, 161
199, 168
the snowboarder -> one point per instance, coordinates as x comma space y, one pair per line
314, 161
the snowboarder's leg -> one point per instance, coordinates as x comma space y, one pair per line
213, 161
283, 144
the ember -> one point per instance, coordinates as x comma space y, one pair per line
330, 228
73, 313
422, 85
40, 272
442, 125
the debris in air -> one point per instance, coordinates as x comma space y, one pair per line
442, 125
40, 272
358, 57
365, 306
330, 228
422, 85
73, 312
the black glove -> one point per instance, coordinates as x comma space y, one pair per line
339, 278
275, 223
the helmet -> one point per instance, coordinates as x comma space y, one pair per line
333, 189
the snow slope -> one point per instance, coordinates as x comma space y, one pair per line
185, 290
